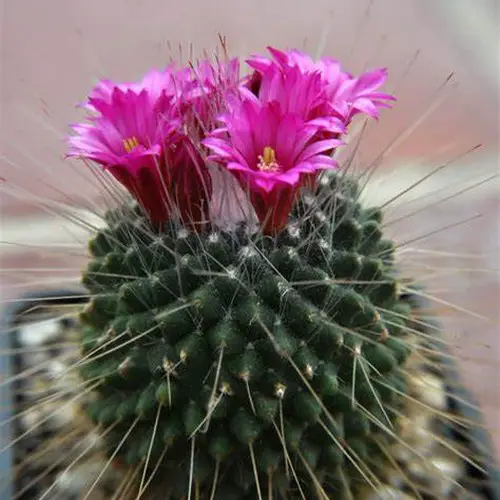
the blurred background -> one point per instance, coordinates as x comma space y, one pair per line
55, 50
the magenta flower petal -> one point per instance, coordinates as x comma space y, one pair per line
368, 82
365, 106
318, 147
291, 177
218, 146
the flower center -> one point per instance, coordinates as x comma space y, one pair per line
267, 161
130, 143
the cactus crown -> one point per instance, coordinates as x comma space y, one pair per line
241, 360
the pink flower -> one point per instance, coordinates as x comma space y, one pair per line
128, 126
136, 133
127, 138
346, 94
272, 153
301, 94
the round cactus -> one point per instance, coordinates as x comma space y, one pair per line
247, 354
257, 351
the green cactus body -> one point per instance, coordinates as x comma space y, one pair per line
247, 365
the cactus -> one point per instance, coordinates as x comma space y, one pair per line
246, 334
248, 361
248, 354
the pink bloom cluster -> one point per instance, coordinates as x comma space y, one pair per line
274, 130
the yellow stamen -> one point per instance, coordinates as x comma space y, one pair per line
267, 161
269, 155
130, 143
